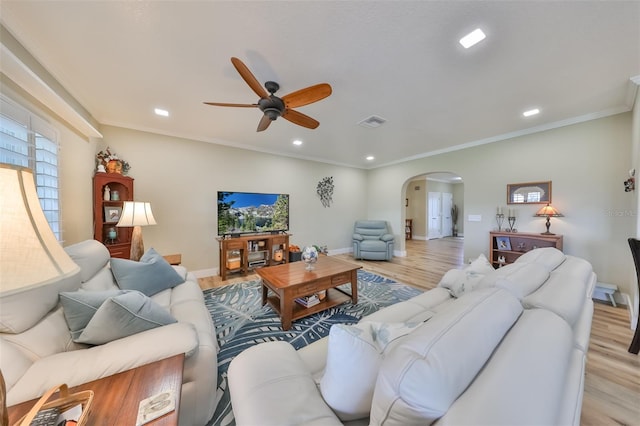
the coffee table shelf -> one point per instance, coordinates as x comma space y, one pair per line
334, 297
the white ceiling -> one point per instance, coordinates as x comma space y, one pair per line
400, 60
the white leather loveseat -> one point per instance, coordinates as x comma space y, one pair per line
37, 350
486, 347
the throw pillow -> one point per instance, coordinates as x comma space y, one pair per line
460, 281
80, 306
353, 359
150, 276
120, 316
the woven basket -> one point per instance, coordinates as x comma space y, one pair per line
64, 402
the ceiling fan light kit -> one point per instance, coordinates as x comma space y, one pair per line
272, 106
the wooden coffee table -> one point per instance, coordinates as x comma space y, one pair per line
291, 280
116, 398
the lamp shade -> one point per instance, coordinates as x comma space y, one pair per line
30, 254
136, 213
548, 211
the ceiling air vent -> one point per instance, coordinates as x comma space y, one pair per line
373, 121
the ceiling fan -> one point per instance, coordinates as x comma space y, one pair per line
273, 106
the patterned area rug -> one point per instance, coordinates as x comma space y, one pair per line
242, 322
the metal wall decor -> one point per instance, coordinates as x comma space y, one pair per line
325, 191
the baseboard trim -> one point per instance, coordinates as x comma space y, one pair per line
203, 273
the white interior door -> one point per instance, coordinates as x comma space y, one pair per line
434, 215
447, 222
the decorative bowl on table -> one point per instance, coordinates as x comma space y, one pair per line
309, 256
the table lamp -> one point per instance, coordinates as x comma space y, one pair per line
30, 254
136, 214
548, 211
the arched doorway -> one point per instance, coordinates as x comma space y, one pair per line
434, 205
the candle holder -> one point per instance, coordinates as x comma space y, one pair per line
512, 223
499, 220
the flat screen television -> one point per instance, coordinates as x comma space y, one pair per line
252, 213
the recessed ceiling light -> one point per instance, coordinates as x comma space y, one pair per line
161, 112
474, 37
297, 142
370, 158
531, 112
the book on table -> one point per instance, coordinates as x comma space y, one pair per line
308, 301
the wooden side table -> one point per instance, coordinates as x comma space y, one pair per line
116, 398
173, 259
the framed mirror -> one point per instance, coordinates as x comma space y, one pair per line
529, 193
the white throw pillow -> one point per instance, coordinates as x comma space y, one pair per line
353, 359
460, 281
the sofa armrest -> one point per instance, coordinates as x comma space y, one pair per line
358, 237
270, 385
81, 366
387, 237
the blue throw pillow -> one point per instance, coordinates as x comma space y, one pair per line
150, 276
80, 306
120, 316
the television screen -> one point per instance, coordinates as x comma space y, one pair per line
250, 212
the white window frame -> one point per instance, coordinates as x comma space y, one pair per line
30, 141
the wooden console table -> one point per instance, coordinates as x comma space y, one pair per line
512, 245
248, 252
116, 398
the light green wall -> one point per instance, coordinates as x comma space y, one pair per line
180, 178
587, 164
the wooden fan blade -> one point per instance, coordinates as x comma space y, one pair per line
232, 105
300, 119
264, 123
307, 96
249, 78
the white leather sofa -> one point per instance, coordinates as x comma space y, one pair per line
37, 350
485, 347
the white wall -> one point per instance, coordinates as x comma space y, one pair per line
181, 177
586, 163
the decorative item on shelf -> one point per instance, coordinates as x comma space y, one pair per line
136, 214
295, 255
115, 196
325, 191
309, 256
112, 213
107, 193
512, 220
454, 220
501, 261
548, 211
110, 162
499, 218
31, 254
278, 255
504, 243
112, 235
630, 184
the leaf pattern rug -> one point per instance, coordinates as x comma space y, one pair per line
241, 322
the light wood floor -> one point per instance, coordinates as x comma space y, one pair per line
612, 385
